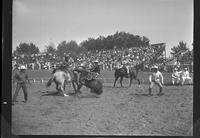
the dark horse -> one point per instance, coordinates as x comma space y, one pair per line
94, 84
133, 72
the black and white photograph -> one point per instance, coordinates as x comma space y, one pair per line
102, 67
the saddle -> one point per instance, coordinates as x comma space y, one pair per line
61, 69
124, 69
91, 76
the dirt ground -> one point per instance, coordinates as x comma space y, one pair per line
118, 111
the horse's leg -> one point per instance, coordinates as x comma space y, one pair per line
135, 77
74, 86
131, 78
121, 79
79, 87
64, 85
63, 89
138, 81
116, 78
57, 88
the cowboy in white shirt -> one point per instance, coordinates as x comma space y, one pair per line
175, 76
156, 77
125, 65
185, 76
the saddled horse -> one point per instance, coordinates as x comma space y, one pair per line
133, 72
93, 83
60, 78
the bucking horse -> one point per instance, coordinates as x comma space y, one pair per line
90, 81
61, 78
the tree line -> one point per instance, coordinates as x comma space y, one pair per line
119, 40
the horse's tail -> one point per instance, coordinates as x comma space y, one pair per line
49, 82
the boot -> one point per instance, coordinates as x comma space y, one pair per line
160, 93
150, 90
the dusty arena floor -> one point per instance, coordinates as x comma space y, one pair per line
118, 111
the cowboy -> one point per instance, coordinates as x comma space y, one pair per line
83, 67
125, 66
66, 58
65, 63
175, 76
185, 76
155, 77
21, 78
96, 67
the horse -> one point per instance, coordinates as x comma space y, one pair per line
61, 78
133, 72
94, 84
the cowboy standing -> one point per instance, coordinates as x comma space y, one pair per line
21, 78
155, 77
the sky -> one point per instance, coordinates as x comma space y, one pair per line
52, 21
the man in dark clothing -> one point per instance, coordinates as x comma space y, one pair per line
96, 67
21, 78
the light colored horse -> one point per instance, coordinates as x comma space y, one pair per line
61, 78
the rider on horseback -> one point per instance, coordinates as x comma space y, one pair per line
96, 67
83, 78
125, 66
90, 73
67, 61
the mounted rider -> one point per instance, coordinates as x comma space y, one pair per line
126, 67
90, 73
67, 62
95, 67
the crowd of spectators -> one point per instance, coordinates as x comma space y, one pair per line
108, 59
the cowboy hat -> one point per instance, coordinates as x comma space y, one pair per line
96, 61
22, 67
154, 67
83, 64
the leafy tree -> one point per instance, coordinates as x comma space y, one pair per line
27, 49
178, 51
70, 47
119, 40
50, 48
180, 47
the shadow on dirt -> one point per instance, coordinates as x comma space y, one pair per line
117, 87
55, 93
52, 93
88, 96
137, 94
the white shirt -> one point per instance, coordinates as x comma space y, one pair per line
186, 74
176, 74
158, 77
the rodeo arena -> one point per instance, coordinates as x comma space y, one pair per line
130, 91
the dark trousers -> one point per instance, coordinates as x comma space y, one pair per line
24, 88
